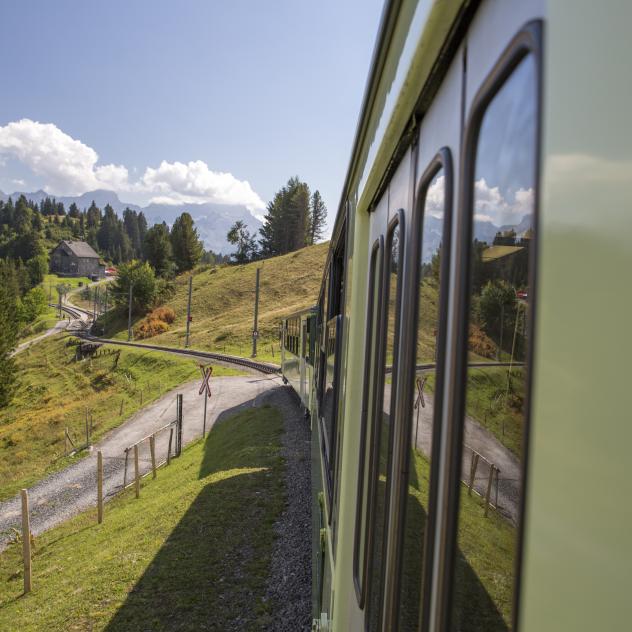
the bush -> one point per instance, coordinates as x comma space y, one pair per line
155, 323
166, 314
480, 344
149, 327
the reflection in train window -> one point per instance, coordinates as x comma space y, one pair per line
495, 392
332, 336
368, 420
383, 435
432, 231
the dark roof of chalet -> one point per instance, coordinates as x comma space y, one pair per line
80, 249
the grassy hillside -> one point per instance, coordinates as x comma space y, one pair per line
192, 553
54, 391
223, 303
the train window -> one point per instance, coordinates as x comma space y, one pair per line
367, 420
382, 436
501, 181
431, 229
331, 360
330, 403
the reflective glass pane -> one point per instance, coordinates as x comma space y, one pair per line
503, 234
383, 432
423, 408
369, 397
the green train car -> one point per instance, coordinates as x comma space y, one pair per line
469, 377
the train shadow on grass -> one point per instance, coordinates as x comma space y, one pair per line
211, 571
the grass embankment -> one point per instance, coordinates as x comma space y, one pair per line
485, 558
222, 304
193, 553
54, 390
45, 321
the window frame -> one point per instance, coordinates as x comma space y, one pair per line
334, 297
442, 161
369, 391
528, 41
398, 220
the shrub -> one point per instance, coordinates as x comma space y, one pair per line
166, 314
480, 344
149, 327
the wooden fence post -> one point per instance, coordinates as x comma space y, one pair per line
152, 449
125, 471
169, 448
136, 472
489, 488
179, 437
99, 487
473, 468
141, 397
26, 541
121, 409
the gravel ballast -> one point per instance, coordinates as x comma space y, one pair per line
289, 584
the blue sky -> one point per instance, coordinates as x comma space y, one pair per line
259, 91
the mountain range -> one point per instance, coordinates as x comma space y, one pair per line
213, 221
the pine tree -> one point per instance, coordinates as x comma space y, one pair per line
9, 296
318, 217
130, 221
157, 249
240, 236
93, 216
287, 221
185, 242
111, 237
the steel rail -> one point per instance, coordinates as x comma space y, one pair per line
262, 367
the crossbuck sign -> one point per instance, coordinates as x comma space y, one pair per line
205, 387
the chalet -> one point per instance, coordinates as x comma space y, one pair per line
76, 258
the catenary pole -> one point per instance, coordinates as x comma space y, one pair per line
129, 315
186, 343
255, 333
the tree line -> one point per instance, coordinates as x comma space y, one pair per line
148, 257
294, 218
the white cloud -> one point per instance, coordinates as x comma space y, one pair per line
434, 203
491, 205
69, 167
19, 183
66, 165
481, 217
176, 182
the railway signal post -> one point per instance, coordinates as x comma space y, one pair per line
205, 390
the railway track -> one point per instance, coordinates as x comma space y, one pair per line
76, 313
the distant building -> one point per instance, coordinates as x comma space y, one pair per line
76, 258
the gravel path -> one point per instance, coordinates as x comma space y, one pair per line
64, 494
290, 582
478, 438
